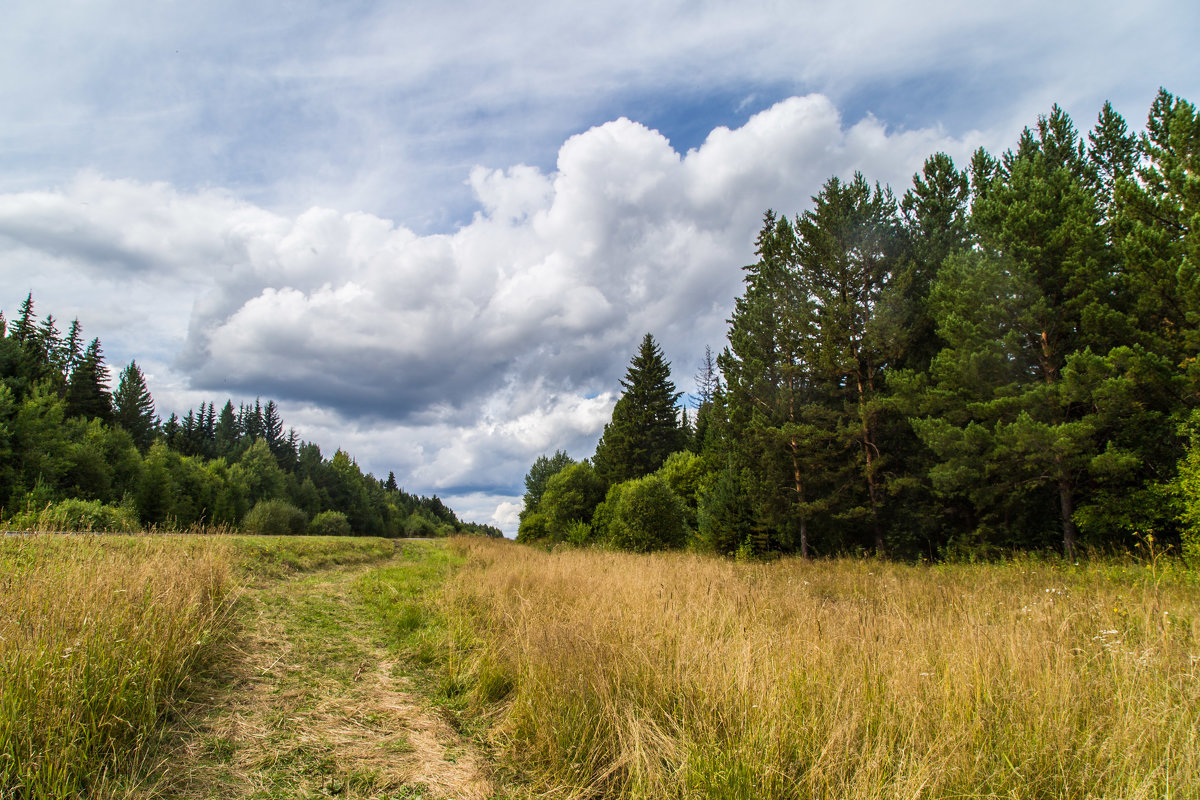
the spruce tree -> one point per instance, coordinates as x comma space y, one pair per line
133, 407
87, 390
645, 426
72, 348
23, 328
225, 432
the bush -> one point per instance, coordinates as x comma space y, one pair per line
571, 496
646, 516
533, 528
275, 517
78, 515
420, 527
329, 523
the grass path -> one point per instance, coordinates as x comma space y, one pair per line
317, 705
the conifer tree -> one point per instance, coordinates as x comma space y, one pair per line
225, 431
849, 244
87, 390
133, 407
645, 426
72, 348
1029, 319
23, 328
773, 396
935, 222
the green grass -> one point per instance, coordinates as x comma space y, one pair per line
405, 602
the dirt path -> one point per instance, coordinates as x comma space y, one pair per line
316, 707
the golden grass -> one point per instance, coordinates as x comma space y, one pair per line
100, 633
97, 634
679, 676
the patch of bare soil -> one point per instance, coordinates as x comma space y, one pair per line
314, 707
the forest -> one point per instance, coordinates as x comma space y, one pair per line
1003, 358
76, 456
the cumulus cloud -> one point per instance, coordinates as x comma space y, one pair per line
549, 286
454, 359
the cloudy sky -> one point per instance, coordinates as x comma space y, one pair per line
435, 233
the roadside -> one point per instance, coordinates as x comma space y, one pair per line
316, 705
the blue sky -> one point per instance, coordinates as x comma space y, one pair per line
435, 233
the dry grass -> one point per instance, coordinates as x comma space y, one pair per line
97, 635
103, 637
678, 676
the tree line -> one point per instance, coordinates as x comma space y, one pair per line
1004, 357
77, 455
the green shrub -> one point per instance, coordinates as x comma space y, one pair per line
533, 528
78, 515
571, 496
419, 527
329, 523
271, 517
579, 533
647, 516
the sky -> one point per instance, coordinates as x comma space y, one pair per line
435, 233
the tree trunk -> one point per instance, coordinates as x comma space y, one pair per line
800, 500
1066, 503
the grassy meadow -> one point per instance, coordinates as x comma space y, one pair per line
99, 635
586, 673
678, 676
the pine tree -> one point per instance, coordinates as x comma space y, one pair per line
645, 425
133, 407
1160, 234
935, 222
849, 244
1031, 381
780, 441
1112, 156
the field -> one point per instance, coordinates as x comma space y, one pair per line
679, 676
206, 666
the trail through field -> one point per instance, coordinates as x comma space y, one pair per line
316, 706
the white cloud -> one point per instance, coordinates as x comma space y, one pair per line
455, 359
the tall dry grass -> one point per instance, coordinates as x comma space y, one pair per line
679, 676
97, 634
